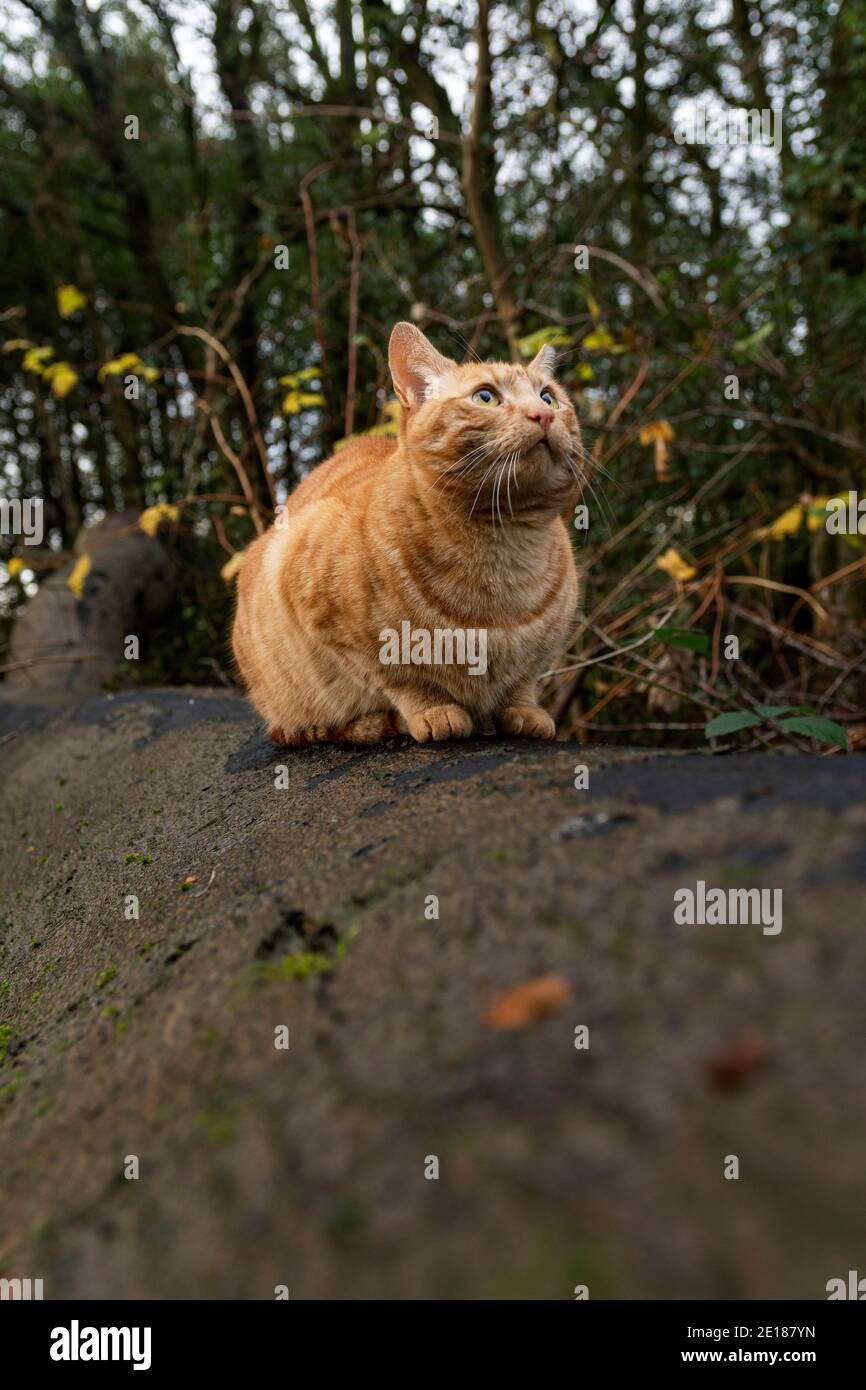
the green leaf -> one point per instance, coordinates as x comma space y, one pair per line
747, 344
773, 711
825, 730
690, 638
729, 723
800, 719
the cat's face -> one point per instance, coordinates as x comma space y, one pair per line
501, 440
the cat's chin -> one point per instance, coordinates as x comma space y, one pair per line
543, 456
537, 453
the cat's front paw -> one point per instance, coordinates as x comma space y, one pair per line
525, 721
440, 722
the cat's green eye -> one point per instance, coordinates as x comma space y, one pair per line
485, 396
549, 398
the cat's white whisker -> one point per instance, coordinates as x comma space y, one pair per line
512, 466
487, 474
462, 467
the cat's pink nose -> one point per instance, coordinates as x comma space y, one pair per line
542, 418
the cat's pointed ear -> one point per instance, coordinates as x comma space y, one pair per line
416, 367
544, 360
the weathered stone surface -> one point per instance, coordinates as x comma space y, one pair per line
69, 645
305, 1167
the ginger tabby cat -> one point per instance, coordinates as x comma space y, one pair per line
455, 526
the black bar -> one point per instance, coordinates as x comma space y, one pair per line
236, 1337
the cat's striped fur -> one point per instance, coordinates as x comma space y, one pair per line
456, 524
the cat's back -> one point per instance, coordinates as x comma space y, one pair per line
336, 486
356, 466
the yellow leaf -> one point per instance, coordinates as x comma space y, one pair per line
80, 571
391, 415
69, 300
14, 565
551, 336
151, 517
788, 524
600, 340
17, 345
585, 372
62, 378
295, 378
34, 360
592, 306
296, 401
673, 564
128, 362
232, 566
816, 513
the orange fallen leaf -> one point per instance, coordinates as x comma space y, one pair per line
527, 1003
856, 734
733, 1066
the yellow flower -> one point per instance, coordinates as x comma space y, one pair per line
152, 517
80, 571
69, 300
14, 565
673, 564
